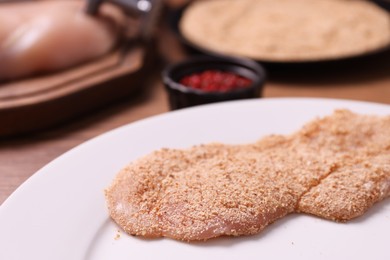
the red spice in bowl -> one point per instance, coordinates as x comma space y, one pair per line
215, 81
203, 80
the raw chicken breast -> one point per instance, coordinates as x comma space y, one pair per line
53, 35
196, 194
335, 167
361, 176
351, 190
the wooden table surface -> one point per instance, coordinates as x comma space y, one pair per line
21, 157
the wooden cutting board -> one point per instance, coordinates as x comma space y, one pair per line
36, 103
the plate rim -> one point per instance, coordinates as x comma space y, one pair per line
42, 173
184, 110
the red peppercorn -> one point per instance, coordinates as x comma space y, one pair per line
214, 80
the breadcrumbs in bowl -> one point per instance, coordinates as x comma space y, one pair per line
203, 80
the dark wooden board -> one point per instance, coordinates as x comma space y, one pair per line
36, 103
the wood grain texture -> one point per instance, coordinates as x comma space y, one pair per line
36, 103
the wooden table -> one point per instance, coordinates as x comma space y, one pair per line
21, 157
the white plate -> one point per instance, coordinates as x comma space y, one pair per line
60, 212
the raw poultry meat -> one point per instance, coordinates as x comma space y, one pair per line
335, 167
46, 36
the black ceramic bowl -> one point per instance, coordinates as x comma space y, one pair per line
383, 3
181, 96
